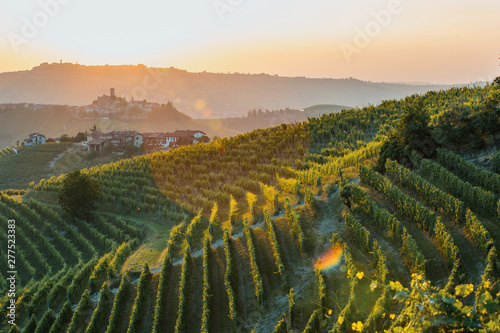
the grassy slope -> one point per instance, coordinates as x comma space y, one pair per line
31, 164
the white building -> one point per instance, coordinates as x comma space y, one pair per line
34, 139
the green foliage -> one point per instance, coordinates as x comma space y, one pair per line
130, 149
14, 329
291, 306
100, 272
363, 238
410, 133
233, 206
274, 245
83, 305
195, 228
269, 192
406, 205
293, 220
213, 215
313, 324
78, 194
119, 303
477, 231
280, 326
310, 199
475, 197
161, 296
31, 325
18, 170
63, 318
360, 234
121, 254
98, 319
81, 277
205, 317
46, 322
425, 219
455, 125
173, 186
347, 313
180, 324
427, 308
228, 275
137, 316
409, 249
251, 200
320, 289
257, 279
289, 185
467, 170
495, 161
429, 193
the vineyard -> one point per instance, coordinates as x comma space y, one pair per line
295, 228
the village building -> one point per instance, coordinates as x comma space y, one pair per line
116, 138
34, 139
166, 140
97, 144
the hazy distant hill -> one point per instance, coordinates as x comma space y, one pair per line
196, 94
320, 109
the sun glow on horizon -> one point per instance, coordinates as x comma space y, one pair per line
455, 43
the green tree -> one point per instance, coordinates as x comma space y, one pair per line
80, 137
495, 161
203, 139
184, 141
413, 127
78, 194
455, 125
411, 133
487, 121
94, 129
130, 149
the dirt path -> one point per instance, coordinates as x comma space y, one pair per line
52, 163
152, 248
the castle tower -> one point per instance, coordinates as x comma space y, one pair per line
112, 92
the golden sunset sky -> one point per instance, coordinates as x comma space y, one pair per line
393, 41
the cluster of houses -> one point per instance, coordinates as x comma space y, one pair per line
97, 141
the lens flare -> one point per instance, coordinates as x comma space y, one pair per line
330, 259
200, 105
207, 113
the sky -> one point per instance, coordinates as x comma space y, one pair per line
434, 41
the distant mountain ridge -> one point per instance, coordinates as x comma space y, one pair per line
195, 94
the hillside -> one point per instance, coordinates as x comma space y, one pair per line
225, 95
54, 121
293, 228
